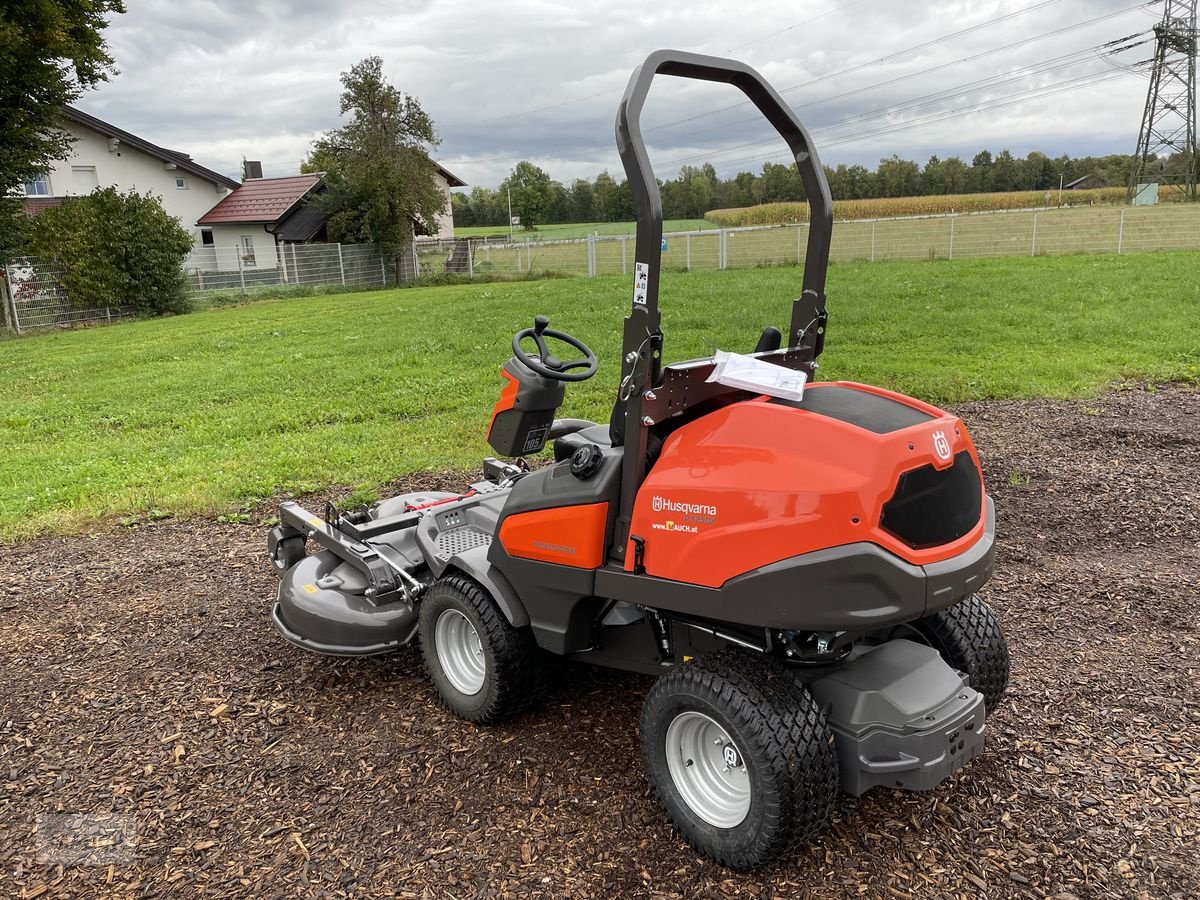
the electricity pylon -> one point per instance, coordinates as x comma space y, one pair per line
1169, 121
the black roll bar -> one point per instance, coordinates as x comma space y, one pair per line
641, 354
645, 188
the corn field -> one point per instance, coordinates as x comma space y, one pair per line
932, 205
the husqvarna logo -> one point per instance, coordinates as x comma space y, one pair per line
941, 446
658, 504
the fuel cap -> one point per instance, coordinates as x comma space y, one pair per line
585, 461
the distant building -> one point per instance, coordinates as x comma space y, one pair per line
103, 155
1087, 182
263, 212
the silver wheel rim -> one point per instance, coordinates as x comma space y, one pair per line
460, 652
708, 769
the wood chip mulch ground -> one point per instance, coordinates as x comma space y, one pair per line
158, 739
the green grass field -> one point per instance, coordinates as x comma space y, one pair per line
207, 412
565, 232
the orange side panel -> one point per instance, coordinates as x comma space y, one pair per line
566, 535
757, 482
508, 396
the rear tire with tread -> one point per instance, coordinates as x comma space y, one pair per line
783, 741
514, 677
969, 638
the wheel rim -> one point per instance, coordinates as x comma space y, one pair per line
708, 769
460, 652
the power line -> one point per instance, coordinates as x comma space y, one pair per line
1036, 94
797, 25
971, 58
830, 75
1052, 65
1024, 42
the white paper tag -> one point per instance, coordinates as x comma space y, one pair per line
750, 374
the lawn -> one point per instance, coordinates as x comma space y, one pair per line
208, 412
578, 230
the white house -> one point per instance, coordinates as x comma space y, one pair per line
445, 181
257, 216
103, 155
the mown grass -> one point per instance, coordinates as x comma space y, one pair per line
207, 412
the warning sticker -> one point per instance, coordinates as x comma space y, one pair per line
641, 283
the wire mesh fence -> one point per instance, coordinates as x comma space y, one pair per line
37, 300
229, 269
1046, 232
34, 298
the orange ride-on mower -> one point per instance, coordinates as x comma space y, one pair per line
798, 565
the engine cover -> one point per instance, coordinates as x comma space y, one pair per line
763, 480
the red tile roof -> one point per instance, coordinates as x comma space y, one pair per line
261, 200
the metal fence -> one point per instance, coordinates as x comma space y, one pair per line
230, 269
36, 300
33, 298
1044, 232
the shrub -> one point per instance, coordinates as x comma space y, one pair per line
116, 250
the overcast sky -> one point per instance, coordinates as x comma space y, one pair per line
527, 79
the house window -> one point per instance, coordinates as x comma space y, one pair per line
181, 184
83, 180
247, 250
206, 237
39, 187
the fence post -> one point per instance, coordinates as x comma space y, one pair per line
295, 268
799, 258
688, 261
624, 265
952, 237
416, 260
872, 240
1033, 243
591, 256
4, 297
281, 261
341, 265
1121, 232
723, 249
382, 270
241, 271
470, 260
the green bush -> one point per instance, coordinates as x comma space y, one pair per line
116, 250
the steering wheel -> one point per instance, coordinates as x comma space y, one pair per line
546, 363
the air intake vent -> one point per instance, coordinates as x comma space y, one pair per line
931, 508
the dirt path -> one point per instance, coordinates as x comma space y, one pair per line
142, 689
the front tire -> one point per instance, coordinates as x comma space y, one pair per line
740, 756
969, 638
483, 668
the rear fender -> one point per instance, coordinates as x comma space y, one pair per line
474, 564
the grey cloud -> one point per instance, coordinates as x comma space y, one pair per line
535, 80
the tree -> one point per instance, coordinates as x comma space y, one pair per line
532, 194
51, 51
116, 250
899, 177
605, 193
379, 179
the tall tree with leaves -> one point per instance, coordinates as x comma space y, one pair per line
532, 194
51, 51
380, 180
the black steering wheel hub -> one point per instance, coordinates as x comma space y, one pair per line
546, 363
